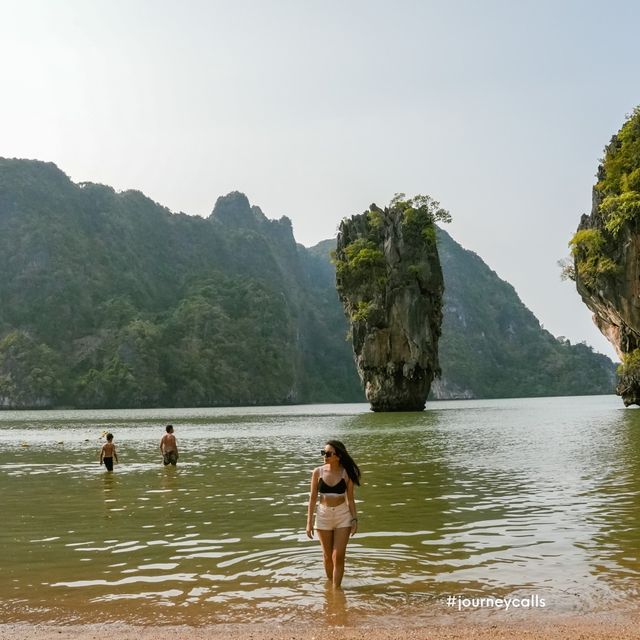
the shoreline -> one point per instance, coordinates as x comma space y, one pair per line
602, 626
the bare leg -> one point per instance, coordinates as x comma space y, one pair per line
340, 540
326, 540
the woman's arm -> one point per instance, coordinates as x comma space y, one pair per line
313, 498
352, 506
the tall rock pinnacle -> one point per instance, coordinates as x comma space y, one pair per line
390, 283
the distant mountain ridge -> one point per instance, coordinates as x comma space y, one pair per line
110, 300
492, 345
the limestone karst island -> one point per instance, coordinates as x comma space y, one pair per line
390, 283
606, 253
110, 300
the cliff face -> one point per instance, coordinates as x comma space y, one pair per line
390, 283
614, 300
606, 250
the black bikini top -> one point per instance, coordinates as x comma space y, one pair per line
336, 489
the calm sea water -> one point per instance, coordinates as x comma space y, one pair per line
504, 498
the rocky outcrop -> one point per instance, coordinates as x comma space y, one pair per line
614, 299
606, 251
390, 283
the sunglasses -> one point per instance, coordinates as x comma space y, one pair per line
327, 454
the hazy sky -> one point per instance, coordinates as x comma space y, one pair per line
498, 109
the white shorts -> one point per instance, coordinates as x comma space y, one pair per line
329, 518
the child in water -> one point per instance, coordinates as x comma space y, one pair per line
108, 453
169, 447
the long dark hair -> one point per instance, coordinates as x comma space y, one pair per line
352, 469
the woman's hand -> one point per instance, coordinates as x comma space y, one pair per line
310, 531
354, 525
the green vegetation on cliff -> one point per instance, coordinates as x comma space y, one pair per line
630, 365
619, 176
361, 268
617, 204
587, 248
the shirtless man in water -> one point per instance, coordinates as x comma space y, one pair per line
169, 447
108, 453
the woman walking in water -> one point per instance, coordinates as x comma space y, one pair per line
336, 515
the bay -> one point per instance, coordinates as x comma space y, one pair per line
494, 498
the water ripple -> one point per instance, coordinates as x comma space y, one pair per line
482, 498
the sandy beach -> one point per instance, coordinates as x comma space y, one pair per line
588, 627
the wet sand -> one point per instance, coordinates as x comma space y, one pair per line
590, 627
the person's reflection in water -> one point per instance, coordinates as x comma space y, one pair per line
169, 496
335, 606
169, 479
109, 481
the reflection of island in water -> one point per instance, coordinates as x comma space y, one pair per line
108, 485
